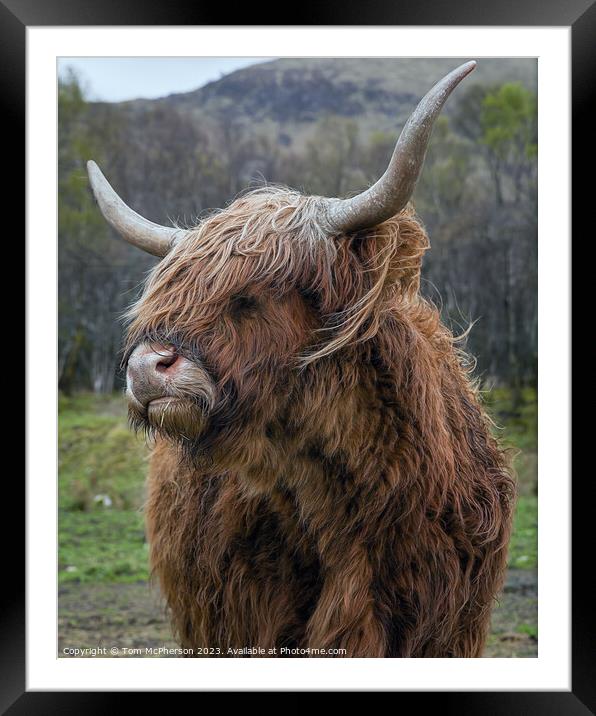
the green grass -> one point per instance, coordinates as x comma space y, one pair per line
523, 548
99, 456
517, 428
101, 479
529, 629
102, 467
106, 546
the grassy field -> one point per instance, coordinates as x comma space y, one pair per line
102, 548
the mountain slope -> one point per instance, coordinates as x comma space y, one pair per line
289, 95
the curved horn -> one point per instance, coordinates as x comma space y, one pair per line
393, 190
140, 232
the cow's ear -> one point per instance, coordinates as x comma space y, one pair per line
404, 244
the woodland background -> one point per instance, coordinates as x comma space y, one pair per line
328, 127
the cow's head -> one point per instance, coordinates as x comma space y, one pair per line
241, 307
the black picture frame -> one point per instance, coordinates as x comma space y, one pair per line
580, 15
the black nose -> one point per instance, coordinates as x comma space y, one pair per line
167, 358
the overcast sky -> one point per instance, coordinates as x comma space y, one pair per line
113, 79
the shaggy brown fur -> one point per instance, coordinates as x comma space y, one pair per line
346, 491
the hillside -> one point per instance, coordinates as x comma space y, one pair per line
286, 97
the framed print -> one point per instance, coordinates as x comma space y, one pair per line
356, 420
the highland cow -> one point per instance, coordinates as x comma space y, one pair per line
323, 475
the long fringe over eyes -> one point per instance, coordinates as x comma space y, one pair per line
274, 239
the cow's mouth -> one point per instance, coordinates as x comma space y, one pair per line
178, 417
